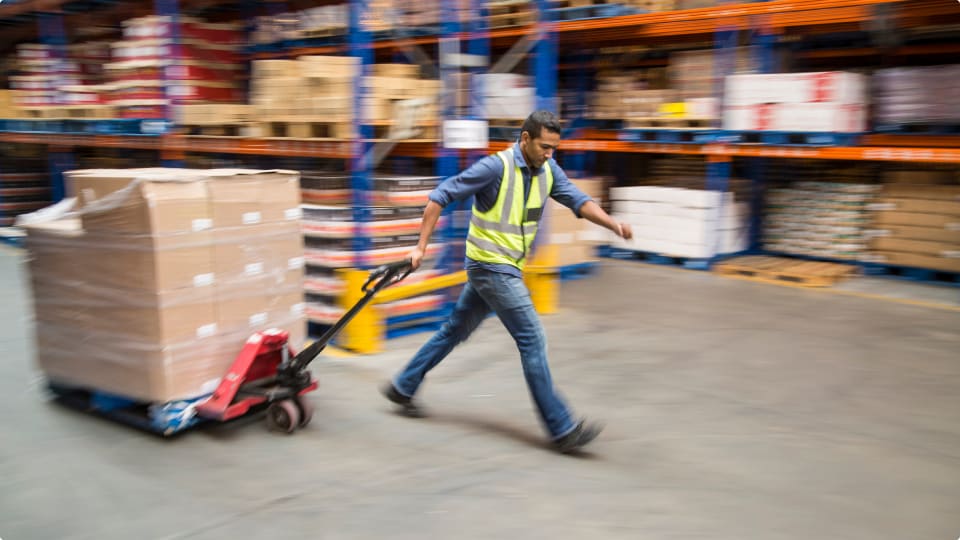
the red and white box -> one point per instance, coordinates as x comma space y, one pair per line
821, 87
798, 117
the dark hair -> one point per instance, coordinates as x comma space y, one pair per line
540, 120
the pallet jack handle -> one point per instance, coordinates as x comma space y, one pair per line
380, 278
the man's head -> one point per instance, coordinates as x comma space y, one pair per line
539, 137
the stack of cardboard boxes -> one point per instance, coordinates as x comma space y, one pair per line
152, 285
313, 96
164, 61
916, 224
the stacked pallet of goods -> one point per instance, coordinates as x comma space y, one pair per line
152, 284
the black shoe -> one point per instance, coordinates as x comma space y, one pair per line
407, 406
578, 438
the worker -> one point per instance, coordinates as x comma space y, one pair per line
510, 189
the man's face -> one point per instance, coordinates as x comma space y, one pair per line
538, 151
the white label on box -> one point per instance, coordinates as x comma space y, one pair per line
203, 280
293, 214
878, 207
202, 224
207, 330
251, 218
953, 226
950, 254
298, 309
465, 134
296, 263
876, 233
257, 319
253, 269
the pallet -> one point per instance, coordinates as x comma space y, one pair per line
307, 129
788, 138
690, 263
785, 270
573, 272
666, 135
164, 419
923, 275
652, 122
919, 128
595, 11
214, 130
506, 20
323, 32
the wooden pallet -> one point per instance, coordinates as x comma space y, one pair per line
785, 270
666, 122
307, 129
505, 20
215, 130
322, 32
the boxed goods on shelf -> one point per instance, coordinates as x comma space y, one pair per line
916, 225
800, 102
911, 95
822, 219
681, 222
150, 285
694, 74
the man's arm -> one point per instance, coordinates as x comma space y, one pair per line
471, 181
430, 216
567, 194
592, 212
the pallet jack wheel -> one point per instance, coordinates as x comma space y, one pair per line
306, 410
283, 416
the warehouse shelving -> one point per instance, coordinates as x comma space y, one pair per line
773, 22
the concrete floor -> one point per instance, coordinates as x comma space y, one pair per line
734, 410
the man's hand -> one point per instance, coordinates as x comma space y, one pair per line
416, 257
625, 231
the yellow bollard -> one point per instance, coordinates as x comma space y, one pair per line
364, 334
543, 278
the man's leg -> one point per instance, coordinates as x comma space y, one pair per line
510, 299
469, 312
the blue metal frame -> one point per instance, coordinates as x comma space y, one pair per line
360, 175
545, 61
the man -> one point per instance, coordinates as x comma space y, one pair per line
511, 190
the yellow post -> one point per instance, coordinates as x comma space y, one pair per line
543, 279
364, 334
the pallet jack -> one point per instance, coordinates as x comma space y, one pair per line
267, 374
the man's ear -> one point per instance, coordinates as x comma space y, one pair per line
524, 137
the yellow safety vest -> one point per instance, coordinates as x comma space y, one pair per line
503, 234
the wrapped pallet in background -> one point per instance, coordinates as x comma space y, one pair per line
151, 285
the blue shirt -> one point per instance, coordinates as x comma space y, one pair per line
482, 180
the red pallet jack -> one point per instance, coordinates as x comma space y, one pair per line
269, 373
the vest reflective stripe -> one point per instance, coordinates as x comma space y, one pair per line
502, 234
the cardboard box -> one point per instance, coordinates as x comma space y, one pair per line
918, 177
143, 371
922, 191
914, 260
273, 250
168, 317
121, 262
141, 201
896, 217
948, 208
931, 234
266, 69
923, 247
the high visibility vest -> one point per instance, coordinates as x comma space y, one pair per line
503, 234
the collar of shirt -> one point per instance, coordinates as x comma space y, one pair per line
521, 162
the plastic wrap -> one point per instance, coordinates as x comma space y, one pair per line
149, 283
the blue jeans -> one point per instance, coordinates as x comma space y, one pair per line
507, 296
